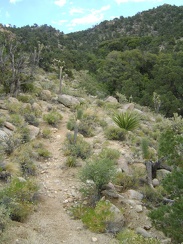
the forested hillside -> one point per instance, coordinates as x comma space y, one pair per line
137, 56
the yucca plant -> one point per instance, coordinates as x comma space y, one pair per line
127, 120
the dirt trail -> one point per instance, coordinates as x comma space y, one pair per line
51, 224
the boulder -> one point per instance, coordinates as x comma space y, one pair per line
3, 135
2, 105
143, 232
111, 99
13, 100
155, 182
117, 221
128, 106
68, 101
162, 173
9, 126
46, 95
36, 107
34, 131
110, 193
132, 194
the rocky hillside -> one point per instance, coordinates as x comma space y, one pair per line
69, 173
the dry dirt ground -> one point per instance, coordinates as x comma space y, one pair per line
50, 223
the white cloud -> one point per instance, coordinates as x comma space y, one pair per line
93, 17
60, 22
60, 3
15, 1
76, 11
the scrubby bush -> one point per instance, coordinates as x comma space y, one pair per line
79, 148
4, 218
100, 171
110, 153
23, 134
87, 125
25, 98
31, 119
152, 197
8, 144
130, 237
115, 133
46, 133
53, 118
126, 181
96, 218
71, 161
16, 119
17, 198
2, 121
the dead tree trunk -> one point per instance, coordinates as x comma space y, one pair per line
149, 173
152, 168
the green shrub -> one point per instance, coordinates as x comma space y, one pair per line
23, 134
46, 133
78, 210
96, 219
168, 218
17, 198
71, 124
25, 98
53, 118
31, 119
171, 146
152, 196
110, 153
71, 161
79, 149
2, 121
145, 148
16, 119
127, 120
87, 125
8, 144
115, 133
28, 87
130, 237
100, 171
126, 181
4, 217
43, 152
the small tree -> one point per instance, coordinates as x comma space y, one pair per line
100, 171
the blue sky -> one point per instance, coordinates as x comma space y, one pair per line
72, 15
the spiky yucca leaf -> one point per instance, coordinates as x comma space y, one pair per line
127, 120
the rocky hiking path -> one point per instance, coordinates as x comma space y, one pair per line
50, 223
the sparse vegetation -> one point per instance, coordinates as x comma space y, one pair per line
115, 133
80, 148
17, 198
53, 118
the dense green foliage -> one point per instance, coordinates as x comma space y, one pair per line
134, 56
168, 218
